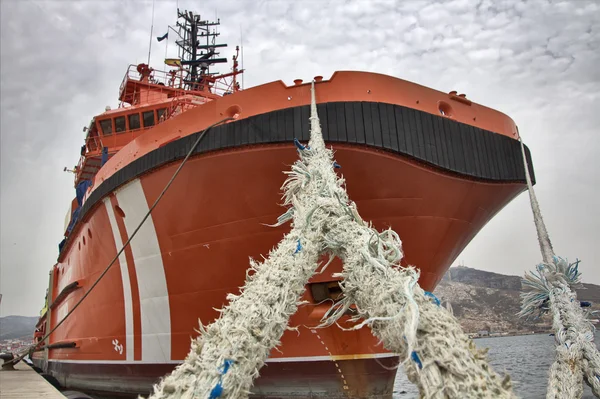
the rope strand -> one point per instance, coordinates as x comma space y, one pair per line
551, 289
441, 359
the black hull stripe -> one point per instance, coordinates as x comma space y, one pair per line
439, 141
297, 379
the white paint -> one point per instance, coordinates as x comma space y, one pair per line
332, 358
127, 297
271, 360
117, 346
152, 282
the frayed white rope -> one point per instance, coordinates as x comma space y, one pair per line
228, 354
551, 289
439, 357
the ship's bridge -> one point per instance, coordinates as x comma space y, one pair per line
110, 131
147, 97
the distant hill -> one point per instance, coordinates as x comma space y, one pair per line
12, 327
480, 300
490, 301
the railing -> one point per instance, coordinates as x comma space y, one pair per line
175, 80
223, 86
156, 77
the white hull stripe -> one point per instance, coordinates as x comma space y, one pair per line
124, 279
332, 357
272, 360
152, 283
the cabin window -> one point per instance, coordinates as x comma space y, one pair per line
148, 118
106, 126
134, 121
120, 124
161, 114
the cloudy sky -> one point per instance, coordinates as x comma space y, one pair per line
538, 61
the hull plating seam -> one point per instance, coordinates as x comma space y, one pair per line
442, 142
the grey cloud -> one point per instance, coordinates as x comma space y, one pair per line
537, 61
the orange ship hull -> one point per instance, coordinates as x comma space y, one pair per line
436, 180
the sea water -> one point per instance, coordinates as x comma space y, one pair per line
525, 358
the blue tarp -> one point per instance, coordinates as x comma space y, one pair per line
104, 155
74, 217
81, 189
61, 245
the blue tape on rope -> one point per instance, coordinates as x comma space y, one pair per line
585, 304
298, 247
226, 365
435, 298
416, 359
299, 145
218, 389
337, 165
540, 267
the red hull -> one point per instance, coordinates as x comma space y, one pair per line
193, 250
207, 227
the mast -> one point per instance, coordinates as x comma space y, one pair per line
198, 49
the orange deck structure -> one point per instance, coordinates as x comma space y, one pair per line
434, 166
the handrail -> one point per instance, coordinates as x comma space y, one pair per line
175, 80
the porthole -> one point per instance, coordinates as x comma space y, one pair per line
119, 211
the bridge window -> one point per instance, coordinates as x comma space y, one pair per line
134, 121
106, 126
148, 117
120, 124
162, 114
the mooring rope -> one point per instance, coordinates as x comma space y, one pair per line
551, 289
227, 355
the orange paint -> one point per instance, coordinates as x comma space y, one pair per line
213, 219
